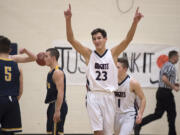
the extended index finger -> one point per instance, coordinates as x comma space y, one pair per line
137, 10
69, 6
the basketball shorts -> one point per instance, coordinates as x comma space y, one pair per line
50, 122
101, 111
124, 123
10, 115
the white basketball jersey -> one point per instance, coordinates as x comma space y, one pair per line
125, 98
102, 74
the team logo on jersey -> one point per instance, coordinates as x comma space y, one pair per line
120, 94
101, 66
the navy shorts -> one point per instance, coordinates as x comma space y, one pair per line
50, 122
10, 115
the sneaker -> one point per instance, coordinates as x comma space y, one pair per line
137, 129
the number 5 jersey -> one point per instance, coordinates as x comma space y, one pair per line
9, 77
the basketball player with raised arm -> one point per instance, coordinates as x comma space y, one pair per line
101, 73
11, 87
128, 91
20, 58
56, 94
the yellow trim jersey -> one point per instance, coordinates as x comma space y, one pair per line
9, 78
51, 95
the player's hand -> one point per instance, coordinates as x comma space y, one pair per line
68, 12
139, 118
22, 50
138, 15
56, 117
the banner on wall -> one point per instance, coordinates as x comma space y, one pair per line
145, 62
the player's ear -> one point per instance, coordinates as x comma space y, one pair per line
54, 58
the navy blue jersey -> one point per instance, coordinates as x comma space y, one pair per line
51, 87
9, 78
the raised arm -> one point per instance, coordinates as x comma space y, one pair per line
84, 51
29, 57
135, 86
58, 78
122, 46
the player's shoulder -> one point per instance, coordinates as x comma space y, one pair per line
13, 57
58, 74
58, 71
134, 82
4, 61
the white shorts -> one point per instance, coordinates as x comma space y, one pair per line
124, 123
101, 111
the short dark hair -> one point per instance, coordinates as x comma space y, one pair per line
53, 52
4, 44
172, 53
99, 30
124, 62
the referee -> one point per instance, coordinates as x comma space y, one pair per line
164, 95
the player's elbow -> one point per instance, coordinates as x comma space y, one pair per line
34, 58
70, 39
61, 93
